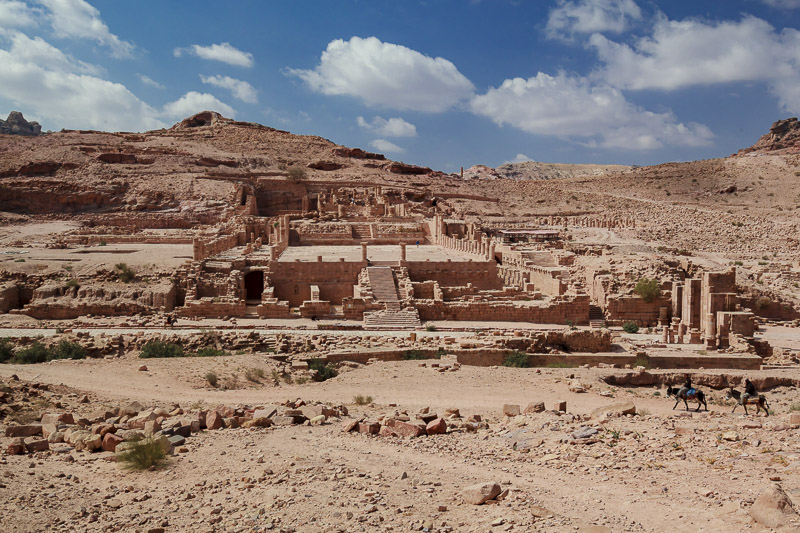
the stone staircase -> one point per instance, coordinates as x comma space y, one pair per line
361, 232
381, 281
597, 319
392, 319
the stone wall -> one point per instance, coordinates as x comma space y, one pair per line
9, 297
573, 309
213, 308
293, 280
482, 274
620, 309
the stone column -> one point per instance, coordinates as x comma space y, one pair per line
402, 252
665, 334
364, 252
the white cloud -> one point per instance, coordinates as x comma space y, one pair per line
382, 145
41, 80
692, 52
147, 80
597, 115
388, 75
240, 89
783, 4
16, 14
519, 158
193, 102
590, 16
394, 127
79, 20
223, 52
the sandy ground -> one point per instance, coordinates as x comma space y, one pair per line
656, 468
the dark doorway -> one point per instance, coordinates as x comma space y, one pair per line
254, 284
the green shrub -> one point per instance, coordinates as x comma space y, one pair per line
642, 361
6, 350
358, 399
297, 174
157, 348
413, 355
254, 374
142, 454
212, 378
67, 350
517, 359
763, 302
102, 243
35, 353
738, 263
630, 327
647, 289
430, 327
125, 273
20, 260
324, 371
560, 364
208, 351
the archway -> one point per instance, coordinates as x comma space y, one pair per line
254, 284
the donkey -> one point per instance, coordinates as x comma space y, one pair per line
760, 401
682, 395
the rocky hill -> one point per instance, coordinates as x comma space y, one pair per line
534, 170
784, 136
16, 124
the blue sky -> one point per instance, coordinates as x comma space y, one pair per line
441, 83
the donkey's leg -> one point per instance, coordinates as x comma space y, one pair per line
676, 404
686, 404
734, 408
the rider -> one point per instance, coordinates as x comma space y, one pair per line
687, 388
749, 391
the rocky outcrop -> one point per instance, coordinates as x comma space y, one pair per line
16, 124
357, 153
783, 135
325, 165
402, 168
204, 118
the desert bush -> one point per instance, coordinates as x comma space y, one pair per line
254, 374
647, 289
517, 359
358, 399
6, 350
324, 370
430, 327
157, 348
630, 327
73, 283
142, 454
560, 364
67, 350
763, 302
642, 361
297, 174
795, 407
125, 273
212, 378
413, 355
208, 351
35, 353
301, 380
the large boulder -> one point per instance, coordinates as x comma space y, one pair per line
773, 508
617, 409
480, 493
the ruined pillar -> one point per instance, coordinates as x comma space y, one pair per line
402, 252
665, 334
676, 330
364, 252
663, 316
677, 300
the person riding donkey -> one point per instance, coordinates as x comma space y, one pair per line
749, 391
687, 388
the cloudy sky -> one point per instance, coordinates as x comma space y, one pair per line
442, 83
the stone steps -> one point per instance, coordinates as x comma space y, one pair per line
392, 319
381, 281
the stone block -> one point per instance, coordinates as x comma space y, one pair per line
534, 407
24, 431
480, 493
214, 420
511, 409
408, 429
436, 427
111, 441
36, 445
561, 407
58, 418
